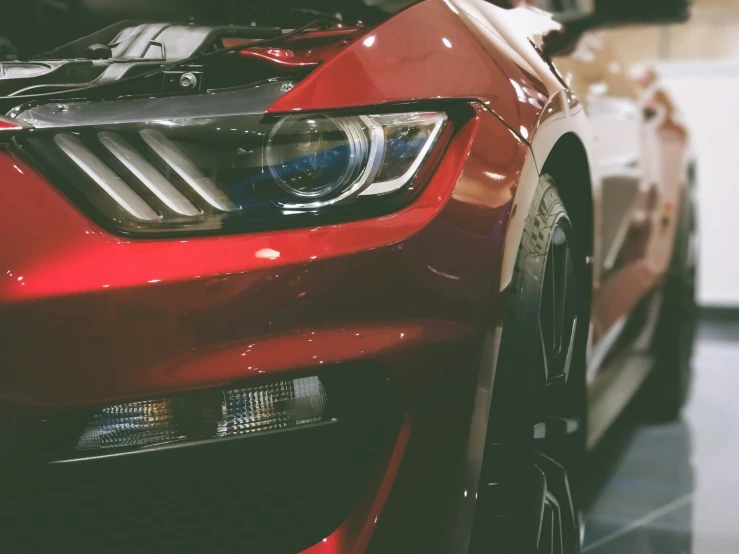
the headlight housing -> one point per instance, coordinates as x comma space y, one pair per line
216, 163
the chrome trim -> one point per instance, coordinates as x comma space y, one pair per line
359, 145
165, 111
147, 174
601, 349
374, 160
385, 187
178, 160
116, 188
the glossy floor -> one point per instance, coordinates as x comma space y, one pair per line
673, 489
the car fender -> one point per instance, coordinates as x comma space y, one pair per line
563, 115
432, 50
477, 51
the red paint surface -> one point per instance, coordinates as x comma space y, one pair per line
57, 251
355, 533
408, 290
7, 125
302, 52
428, 52
404, 59
88, 317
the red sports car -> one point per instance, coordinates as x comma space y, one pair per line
348, 277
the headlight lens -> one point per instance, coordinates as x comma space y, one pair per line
216, 162
311, 156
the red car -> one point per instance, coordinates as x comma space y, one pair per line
370, 284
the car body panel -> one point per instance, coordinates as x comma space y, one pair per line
434, 46
418, 291
97, 285
414, 303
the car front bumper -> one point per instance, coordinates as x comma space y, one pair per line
89, 319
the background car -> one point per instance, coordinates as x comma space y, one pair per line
320, 284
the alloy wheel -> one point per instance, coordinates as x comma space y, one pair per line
535, 444
559, 425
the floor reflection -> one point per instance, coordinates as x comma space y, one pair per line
672, 489
646, 506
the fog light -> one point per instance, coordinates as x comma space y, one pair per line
207, 415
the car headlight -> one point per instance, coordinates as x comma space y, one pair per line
217, 163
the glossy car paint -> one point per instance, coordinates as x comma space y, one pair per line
88, 317
302, 52
413, 303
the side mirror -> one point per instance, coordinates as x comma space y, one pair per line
613, 13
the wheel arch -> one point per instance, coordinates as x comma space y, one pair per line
568, 164
566, 157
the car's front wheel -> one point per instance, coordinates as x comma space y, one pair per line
535, 446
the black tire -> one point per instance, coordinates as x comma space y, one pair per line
668, 386
535, 445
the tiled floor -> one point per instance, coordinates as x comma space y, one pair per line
674, 489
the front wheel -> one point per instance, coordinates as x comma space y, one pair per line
535, 446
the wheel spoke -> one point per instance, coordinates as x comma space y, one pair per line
557, 528
558, 304
545, 542
552, 270
544, 355
540, 493
546, 310
554, 429
557, 312
560, 255
570, 348
559, 488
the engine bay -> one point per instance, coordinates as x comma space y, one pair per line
131, 59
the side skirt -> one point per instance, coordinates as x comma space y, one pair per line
612, 389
